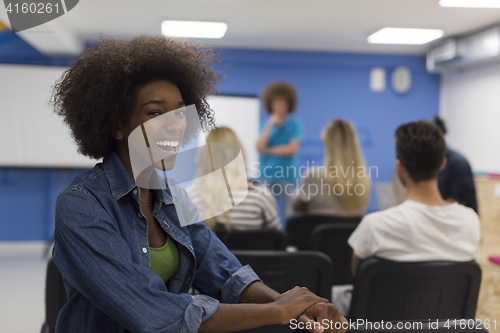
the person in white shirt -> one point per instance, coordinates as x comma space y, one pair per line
424, 227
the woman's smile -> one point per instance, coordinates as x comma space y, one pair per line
170, 145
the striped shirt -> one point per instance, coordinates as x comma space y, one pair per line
258, 210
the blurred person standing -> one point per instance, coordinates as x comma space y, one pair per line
342, 186
279, 143
456, 182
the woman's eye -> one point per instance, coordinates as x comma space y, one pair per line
154, 113
180, 113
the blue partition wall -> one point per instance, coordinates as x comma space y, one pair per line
27, 200
336, 85
330, 85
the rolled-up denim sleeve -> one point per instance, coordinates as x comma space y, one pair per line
200, 309
232, 289
203, 307
219, 274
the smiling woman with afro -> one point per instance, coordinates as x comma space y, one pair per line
98, 92
127, 263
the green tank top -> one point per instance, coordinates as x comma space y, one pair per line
164, 260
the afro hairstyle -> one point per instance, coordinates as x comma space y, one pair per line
279, 89
98, 92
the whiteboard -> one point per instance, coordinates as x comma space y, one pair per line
470, 106
242, 115
32, 135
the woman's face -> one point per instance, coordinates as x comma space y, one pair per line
155, 99
279, 107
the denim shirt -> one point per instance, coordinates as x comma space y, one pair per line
102, 251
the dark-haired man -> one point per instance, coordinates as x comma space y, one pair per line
425, 227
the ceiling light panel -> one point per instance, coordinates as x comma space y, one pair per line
405, 36
470, 3
193, 29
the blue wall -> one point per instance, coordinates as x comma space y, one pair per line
27, 196
330, 85
336, 85
27, 201
14, 50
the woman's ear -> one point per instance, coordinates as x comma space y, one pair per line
443, 165
118, 134
400, 169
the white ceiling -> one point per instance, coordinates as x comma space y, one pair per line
320, 25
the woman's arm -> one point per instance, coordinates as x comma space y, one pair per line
236, 317
283, 150
262, 143
284, 308
220, 275
258, 292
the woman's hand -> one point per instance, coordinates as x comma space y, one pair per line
324, 318
295, 302
276, 120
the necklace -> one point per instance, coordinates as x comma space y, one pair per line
145, 201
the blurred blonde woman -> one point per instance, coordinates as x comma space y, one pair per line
255, 211
342, 186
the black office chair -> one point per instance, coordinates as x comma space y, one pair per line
283, 271
387, 290
261, 239
299, 227
418, 326
331, 239
55, 297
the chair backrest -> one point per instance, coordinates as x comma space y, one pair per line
299, 227
260, 239
387, 290
331, 239
55, 297
283, 271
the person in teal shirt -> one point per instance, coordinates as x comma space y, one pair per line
279, 143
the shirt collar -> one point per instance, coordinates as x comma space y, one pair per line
122, 183
165, 196
119, 179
